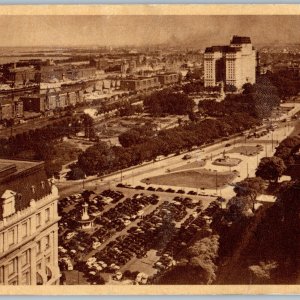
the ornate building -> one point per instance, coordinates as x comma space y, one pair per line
28, 225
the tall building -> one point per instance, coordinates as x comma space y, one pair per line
234, 64
28, 225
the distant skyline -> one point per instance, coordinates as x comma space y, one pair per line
197, 31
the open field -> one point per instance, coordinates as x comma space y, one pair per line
199, 178
188, 166
246, 150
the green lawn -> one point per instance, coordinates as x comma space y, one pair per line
245, 150
192, 165
200, 178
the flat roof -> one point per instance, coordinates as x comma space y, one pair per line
18, 165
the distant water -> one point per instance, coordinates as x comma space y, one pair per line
14, 54
11, 59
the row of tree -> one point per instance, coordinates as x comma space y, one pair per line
145, 144
288, 149
168, 102
258, 100
40, 143
198, 264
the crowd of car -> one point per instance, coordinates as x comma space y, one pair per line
160, 189
168, 227
153, 231
73, 242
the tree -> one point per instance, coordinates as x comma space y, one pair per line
136, 136
192, 116
271, 168
230, 88
262, 272
76, 174
220, 200
203, 254
248, 88
239, 206
95, 159
88, 123
250, 187
168, 102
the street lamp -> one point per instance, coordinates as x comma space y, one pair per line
272, 140
247, 169
216, 181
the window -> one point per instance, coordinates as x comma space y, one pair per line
25, 258
12, 267
47, 243
13, 281
10, 237
25, 278
24, 230
48, 273
48, 259
38, 220
38, 247
47, 214
33, 189
1, 275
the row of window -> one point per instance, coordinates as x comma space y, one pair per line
11, 237
146, 82
12, 270
40, 248
33, 187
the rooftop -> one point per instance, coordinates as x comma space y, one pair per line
224, 49
28, 179
240, 40
8, 166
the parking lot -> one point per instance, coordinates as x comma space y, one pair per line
135, 236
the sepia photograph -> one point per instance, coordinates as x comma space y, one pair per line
149, 149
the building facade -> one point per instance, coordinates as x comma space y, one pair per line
168, 78
139, 84
28, 225
11, 108
233, 65
34, 103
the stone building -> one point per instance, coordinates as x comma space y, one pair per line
28, 225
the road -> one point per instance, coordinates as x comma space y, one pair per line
135, 174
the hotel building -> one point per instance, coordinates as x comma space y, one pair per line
233, 65
28, 225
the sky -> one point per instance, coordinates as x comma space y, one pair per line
199, 31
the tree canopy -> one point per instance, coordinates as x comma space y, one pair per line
168, 102
271, 168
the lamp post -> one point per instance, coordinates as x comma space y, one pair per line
216, 181
272, 140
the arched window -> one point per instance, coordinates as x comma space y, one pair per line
48, 273
39, 279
